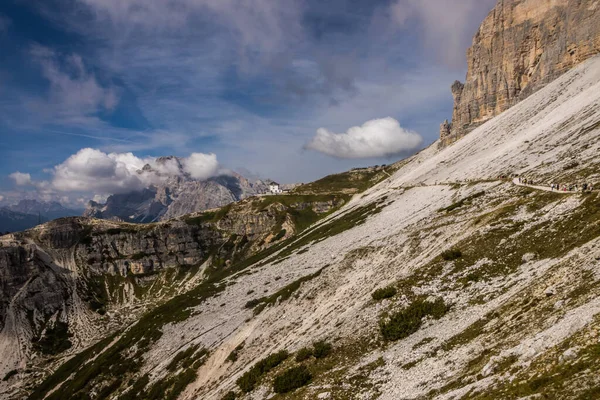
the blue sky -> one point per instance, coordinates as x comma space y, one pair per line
290, 90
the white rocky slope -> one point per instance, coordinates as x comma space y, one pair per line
523, 295
538, 138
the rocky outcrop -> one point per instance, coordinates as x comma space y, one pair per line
521, 46
174, 196
95, 276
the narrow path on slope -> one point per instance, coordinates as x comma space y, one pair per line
544, 188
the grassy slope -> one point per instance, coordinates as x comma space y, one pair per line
115, 368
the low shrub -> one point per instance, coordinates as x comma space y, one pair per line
291, 379
452, 254
250, 379
55, 340
321, 349
233, 356
229, 396
406, 322
384, 293
304, 354
10, 374
279, 236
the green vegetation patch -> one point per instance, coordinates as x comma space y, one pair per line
209, 216
451, 254
291, 379
354, 181
9, 375
552, 380
184, 359
322, 349
384, 293
251, 378
233, 356
347, 221
469, 334
404, 323
304, 354
55, 340
229, 396
463, 202
283, 294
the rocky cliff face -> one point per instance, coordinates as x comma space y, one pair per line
89, 277
521, 46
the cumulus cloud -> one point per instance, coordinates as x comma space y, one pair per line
446, 26
1, 197
375, 138
91, 170
201, 166
94, 170
21, 179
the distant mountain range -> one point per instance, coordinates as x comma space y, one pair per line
176, 194
29, 213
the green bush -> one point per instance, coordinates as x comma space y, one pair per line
304, 354
406, 322
250, 379
291, 379
452, 254
279, 236
229, 396
384, 293
55, 340
321, 349
10, 374
233, 356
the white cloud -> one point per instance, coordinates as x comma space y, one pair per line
21, 179
96, 171
100, 174
1, 197
201, 166
375, 138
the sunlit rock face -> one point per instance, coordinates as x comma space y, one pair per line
521, 46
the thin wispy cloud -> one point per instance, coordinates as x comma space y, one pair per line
74, 91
